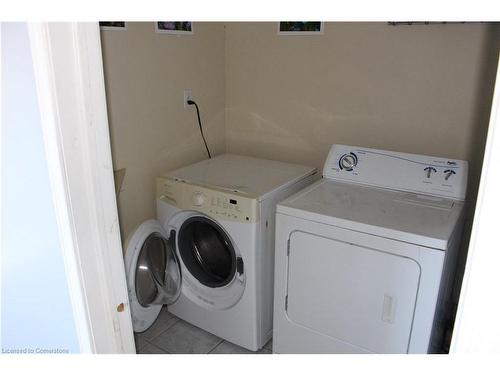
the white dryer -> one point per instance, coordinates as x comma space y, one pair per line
210, 253
365, 256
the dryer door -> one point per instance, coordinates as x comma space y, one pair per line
153, 272
363, 299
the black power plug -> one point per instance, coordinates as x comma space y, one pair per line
192, 102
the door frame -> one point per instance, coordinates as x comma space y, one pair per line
477, 328
67, 61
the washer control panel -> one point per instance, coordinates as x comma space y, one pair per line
223, 205
396, 170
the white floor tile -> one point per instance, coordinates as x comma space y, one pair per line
229, 348
150, 349
184, 338
164, 321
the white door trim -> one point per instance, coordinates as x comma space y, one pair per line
477, 327
67, 61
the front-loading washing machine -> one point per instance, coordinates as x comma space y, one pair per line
365, 256
209, 255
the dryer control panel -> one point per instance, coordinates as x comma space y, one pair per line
399, 171
219, 204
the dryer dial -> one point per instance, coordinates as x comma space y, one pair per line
348, 161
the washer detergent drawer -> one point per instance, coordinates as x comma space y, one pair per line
353, 294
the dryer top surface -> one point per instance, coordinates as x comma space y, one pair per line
410, 217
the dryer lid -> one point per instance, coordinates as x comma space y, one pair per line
153, 272
409, 217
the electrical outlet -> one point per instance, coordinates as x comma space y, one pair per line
187, 96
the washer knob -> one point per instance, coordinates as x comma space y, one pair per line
348, 161
198, 199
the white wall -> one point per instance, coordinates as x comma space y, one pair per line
36, 311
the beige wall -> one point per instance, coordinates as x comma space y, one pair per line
151, 131
417, 89
422, 89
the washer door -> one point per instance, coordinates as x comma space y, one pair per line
153, 273
208, 253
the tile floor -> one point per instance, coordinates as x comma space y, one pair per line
171, 335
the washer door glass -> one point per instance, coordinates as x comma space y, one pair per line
157, 274
207, 252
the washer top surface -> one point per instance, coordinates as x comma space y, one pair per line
252, 176
410, 217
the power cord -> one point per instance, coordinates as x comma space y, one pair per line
192, 102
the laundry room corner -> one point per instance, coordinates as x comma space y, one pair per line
151, 131
424, 88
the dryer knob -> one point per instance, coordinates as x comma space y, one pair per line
198, 199
348, 161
